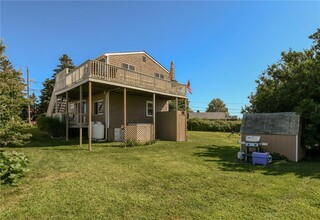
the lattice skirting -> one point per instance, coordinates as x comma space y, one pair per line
139, 132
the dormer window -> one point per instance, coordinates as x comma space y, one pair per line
128, 67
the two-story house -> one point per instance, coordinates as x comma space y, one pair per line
123, 91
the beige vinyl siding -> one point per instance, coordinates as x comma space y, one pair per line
282, 144
95, 98
136, 109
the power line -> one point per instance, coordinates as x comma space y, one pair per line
38, 90
228, 103
206, 107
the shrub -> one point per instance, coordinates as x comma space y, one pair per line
52, 126
133, 143
13, 166
196, 124
277, 156
13, 133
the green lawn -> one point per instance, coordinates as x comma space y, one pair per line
198, 179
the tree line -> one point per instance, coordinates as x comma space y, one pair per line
293, 85
13, 100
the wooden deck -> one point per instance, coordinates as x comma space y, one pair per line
93, 70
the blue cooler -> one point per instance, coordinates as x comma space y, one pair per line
260, 158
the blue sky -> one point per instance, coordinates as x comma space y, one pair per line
222, 47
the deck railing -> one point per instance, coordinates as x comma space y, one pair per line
105, 72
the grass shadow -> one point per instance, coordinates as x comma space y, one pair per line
226, 158
40, 139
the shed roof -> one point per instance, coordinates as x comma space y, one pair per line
283, 123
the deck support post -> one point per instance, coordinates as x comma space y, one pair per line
154, 115
186, 117
80, 118
90, 117
124, 111
67, 116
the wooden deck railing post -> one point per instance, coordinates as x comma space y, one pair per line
89, 68
107, 71
80, 114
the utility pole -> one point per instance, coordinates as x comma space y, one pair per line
28, 95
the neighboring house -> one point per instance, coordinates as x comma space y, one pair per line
212, 115
125, 91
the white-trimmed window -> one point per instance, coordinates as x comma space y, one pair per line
98, 107
149, 108
159, 75
128, 67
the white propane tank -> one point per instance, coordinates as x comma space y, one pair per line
240, 155
97, 130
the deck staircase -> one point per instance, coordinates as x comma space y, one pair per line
61, 105
56, 105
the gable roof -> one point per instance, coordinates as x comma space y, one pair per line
133, 52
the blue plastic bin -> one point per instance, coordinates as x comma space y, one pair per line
260, 158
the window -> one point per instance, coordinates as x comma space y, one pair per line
149, 109
84, 107
98, 107
144, 59
128, 67
159, 75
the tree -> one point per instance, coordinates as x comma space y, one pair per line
48, 84
11, 102
33, 101
217, 105
181, 104
45, 96
65, 62
292, 85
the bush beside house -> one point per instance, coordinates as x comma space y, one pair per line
52, 126
196, 124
